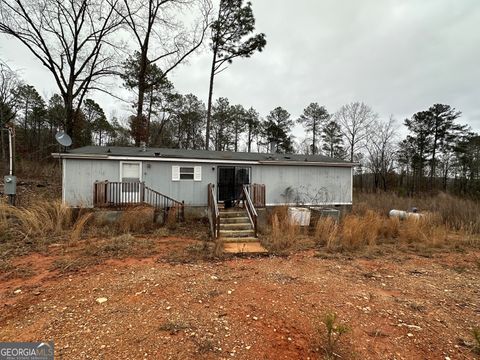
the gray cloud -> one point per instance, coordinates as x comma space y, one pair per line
398, 56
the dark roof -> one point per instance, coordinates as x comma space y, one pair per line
201, 154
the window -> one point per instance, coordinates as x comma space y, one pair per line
187, 173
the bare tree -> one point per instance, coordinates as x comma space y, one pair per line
70, 38
355, 120
9, 81
163, 36
381, 150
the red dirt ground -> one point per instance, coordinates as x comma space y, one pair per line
397, 306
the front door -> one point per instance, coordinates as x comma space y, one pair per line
131, 174
231, 180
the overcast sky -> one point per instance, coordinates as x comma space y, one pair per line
398, 56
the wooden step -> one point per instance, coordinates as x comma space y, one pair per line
229, 214
236, 226
238, 239
234, 220
236, 233
243, 247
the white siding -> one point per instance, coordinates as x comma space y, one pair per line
79, 176
305, 184
308, 184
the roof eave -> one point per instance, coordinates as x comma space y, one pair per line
173, 159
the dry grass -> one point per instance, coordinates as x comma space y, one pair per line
326, 231
122, 246
454, 212
284, 235
370, 228
171, 219
31, 228
79, 226
137, 219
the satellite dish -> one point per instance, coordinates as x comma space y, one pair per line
63, 138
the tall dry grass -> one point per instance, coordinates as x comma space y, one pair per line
38, 220
454, 212
371, 228
284, 234
23, 228
326, 231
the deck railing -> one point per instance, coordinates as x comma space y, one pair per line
121, 195
248, 205
213, 212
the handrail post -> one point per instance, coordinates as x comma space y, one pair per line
183, 210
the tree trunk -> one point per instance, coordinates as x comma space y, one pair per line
236, 137
150, 105
140, 136
351, 149
314, 150
434, 150
210, 95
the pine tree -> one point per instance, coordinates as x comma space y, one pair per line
313, 119
275, 130
230, 31
333, 141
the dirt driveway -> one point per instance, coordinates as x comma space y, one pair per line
397, 307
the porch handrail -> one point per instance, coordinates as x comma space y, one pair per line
213, 212
248, 205
164, 202
120, 194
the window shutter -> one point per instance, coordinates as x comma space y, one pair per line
197, 175
175, 173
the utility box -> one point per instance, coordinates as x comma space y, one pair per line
10, 185
319, 212
299, 216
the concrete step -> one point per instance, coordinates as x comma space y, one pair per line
236, 226
236, 233
240, 248
238, 239
234, 220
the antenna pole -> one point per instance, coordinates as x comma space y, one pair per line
11, 148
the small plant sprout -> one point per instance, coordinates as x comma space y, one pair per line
334, 332
476, 339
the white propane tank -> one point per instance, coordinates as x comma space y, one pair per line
402, 215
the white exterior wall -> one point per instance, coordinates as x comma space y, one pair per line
307, 184
79, 176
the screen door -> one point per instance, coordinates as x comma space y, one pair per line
130, 177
